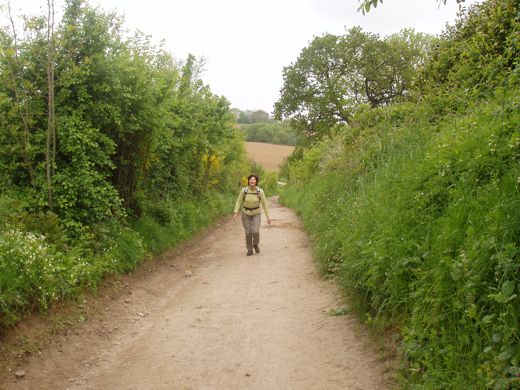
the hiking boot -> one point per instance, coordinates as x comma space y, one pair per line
257, 248
249, 253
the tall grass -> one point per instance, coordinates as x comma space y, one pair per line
169, 222
417, 212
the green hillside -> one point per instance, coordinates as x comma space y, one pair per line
414, 205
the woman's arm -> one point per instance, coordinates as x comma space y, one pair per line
239, 203
264, 205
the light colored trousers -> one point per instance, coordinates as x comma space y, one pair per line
251, 225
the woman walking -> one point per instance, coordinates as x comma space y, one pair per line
248, 203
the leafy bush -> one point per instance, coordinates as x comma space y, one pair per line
478, 52
32, 274
81, 190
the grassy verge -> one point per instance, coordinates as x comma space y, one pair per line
417, 213
41, 266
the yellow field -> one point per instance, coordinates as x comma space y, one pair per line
267, 155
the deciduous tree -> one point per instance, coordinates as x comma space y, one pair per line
334, 74
366, 5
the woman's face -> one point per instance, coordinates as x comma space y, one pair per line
252, 181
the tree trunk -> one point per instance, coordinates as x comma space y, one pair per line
50, 151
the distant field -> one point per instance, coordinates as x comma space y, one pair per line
267, 155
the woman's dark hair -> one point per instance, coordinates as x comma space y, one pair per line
255, 176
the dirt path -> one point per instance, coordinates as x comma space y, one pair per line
208, 317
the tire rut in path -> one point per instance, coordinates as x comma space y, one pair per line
213, 318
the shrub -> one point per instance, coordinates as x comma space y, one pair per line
32, 274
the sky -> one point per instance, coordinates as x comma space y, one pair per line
247, 43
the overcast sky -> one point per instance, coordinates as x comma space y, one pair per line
247, 43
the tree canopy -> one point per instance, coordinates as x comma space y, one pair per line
250, 116
335, 74
366, 5
129, 118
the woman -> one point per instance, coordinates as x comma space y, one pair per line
248, 202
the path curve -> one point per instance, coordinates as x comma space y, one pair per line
209, 317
